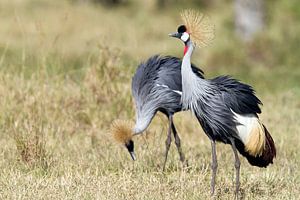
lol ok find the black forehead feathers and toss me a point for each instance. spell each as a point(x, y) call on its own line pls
point(181, 29)
point(130, 146)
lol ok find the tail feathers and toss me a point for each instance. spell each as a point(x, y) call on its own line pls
point(266, 156)
point(257, 139)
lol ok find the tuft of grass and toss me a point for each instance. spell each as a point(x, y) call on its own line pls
point(32, 148)
point(30, 141)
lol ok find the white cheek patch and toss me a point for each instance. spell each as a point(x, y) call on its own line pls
point(185, 36)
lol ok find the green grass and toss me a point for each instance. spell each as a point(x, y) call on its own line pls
point(65, 75)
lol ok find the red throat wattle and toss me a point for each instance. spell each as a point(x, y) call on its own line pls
point(185, 49)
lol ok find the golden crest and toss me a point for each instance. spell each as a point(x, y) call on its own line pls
point(199, 26)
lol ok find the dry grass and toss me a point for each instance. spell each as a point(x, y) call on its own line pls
point(65, 74)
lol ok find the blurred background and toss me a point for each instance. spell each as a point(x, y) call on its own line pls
point(65, 74)
point(260, 35)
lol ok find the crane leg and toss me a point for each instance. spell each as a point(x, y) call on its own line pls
point(237, 165)
point(214, 167)
point(178, 143)
point(168, 142)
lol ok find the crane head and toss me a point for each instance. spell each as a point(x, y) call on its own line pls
point(197, 28)
point(181, 34)
point(122, 133)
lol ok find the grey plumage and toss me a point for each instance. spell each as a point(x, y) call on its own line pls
point(156, 86)
point(214, 109)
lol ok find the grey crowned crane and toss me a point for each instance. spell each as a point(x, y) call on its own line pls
point(226, 108)
point(156, 86)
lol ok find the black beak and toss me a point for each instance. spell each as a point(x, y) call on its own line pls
point(130, 147)
point(176, 35)
point(132, 154)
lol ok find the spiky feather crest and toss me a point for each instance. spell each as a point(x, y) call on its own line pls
point(199, 26)
point(121, 130)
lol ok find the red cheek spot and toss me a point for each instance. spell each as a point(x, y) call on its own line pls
point(185, 49)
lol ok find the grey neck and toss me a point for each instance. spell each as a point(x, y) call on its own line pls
point(186, 61)
point(193, 87)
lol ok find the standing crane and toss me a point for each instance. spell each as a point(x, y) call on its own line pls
point(156, 86)
point(226, 108)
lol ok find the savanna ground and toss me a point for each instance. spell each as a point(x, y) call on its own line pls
point(65, 75)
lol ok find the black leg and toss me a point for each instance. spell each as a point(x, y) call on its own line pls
point(177, 142)
point(237, 165)
point(214, 167)
point(168, 142)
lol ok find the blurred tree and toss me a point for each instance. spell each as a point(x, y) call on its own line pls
point(249, 18)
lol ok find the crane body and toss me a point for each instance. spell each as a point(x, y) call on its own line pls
point(156, 87)
point(226, 108)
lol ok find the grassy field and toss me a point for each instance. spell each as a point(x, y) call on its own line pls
point(65, 75)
